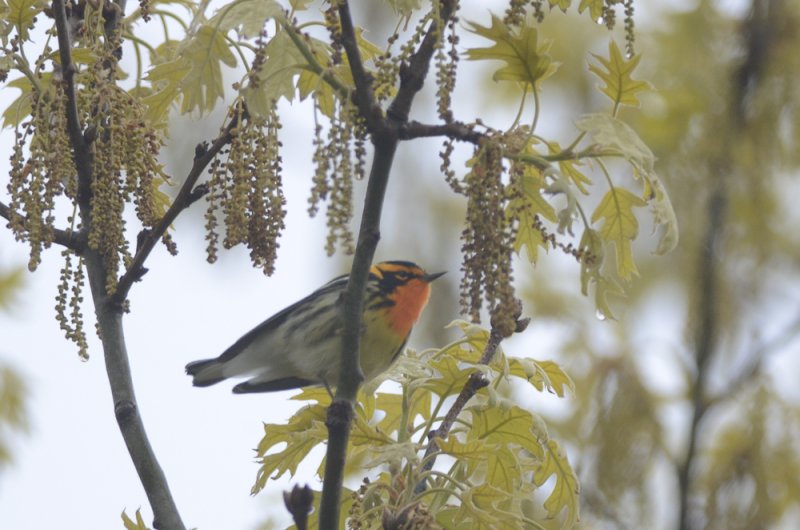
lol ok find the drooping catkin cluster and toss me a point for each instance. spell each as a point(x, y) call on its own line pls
point(517, 11)
point(126, 168)
point(446, 65)
point(339, 157)
point(488, 239)
point(47, 172)
point(68, 302)
point(246, 185)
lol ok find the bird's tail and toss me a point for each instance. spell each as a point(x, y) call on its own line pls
point(206, 372)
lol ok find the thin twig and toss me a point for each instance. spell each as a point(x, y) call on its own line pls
point(455, 130)
point(475, 382)
point(364, 96)
point(412, 74)
point(65, 238)
point(187, 195)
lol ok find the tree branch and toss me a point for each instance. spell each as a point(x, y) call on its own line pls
point(412, 75)
point(455, 130)
point(109, 314)
point(340, 413)
point(65, 238)
point(385, 136)
point(475, 382)
point(187, 196)
point(757, 29)
point(364, 96)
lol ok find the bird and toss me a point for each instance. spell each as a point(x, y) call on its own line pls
point(301, 345)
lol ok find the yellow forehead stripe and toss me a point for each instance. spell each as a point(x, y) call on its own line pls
point(383, 268)
point(376, 271)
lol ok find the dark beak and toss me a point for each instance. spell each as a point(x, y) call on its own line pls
point(430, 277)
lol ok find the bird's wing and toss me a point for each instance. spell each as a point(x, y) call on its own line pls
point(276, 320)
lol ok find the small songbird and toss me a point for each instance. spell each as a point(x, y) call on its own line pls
point(301, 345)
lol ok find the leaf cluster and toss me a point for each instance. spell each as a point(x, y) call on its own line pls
point(497, 458)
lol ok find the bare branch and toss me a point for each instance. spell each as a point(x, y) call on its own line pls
point(412, 75)
point(187, 195)
point(475, 382)
point(65, 238)
point(364, 96)
point(455, 130)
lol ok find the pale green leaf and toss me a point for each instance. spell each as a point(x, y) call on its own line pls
point(300, 5)
point(502, 469)
point(561, 4)
point(203, 85)
point(304, 431)
point(616, 72)
point(664, 220)
point(526, 206)
point(542, 375)
point(595, 8)
point(166, 79)
point(21, 107)
point(275, 79)
point(247, 17)
point(620, 226)
point(130, 524)
point(470, 450)
point(405, 8)
point(10, 283)
point(481, 508)
point(21, 14)
point(450, 379)
point(620, 138)
point(527, 61)
point(503, 426)
point(567, 488)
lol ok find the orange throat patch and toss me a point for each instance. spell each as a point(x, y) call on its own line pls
point(409, 301)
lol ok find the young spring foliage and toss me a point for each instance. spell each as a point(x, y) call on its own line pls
point(498, 455)
point(522, 190)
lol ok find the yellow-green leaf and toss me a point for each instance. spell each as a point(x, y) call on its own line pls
point(542, 375)
point(166, 79)
point(616, 72)
point(513, 425)
point(203, 85)
point(527, 61)
point(130, 524)
point(450, 379)
point(526, 206)
point(595, 8)
point(470, 450)
point(275, 79)
point(665, 222)
point(247, 17)
point(567, 488)
point(618, 137)
point(502, 469)
point(21, 14)
point(10, 282)
point(21, 108)
point(561, 4)
point(305, 429)
point(620, 226)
